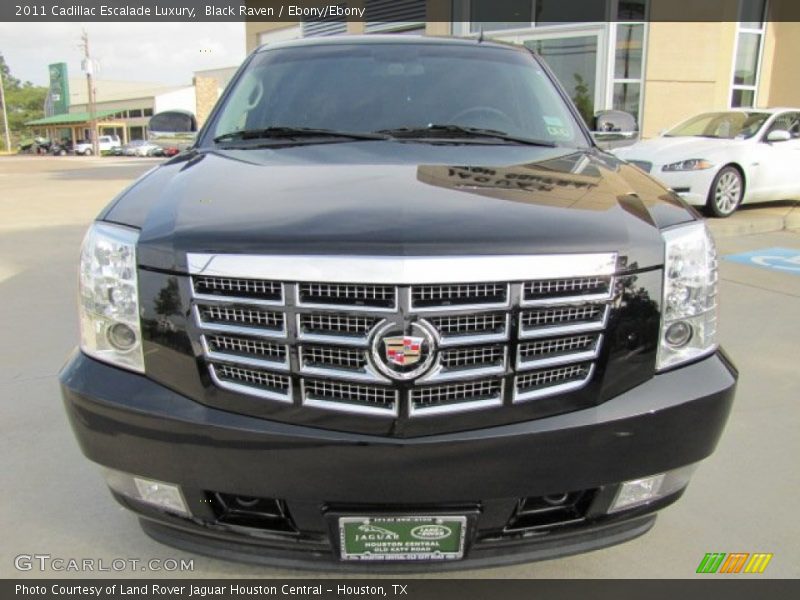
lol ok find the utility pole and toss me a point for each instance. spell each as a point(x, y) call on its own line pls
point(5, 114)
point(88, 67)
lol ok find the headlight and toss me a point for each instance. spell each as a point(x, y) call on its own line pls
point(109, 297)
point(689, 310)
point(692, 164)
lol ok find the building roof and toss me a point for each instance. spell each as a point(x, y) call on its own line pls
point(109, 90)
point(71, 118)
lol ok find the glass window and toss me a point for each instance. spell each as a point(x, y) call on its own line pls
point(726, 125)
point(148, 112)
point(136, 112)
point(741, 98)
point(364, 88)
point(628, 54)
point(789, 121)
point(574, 62)
point(747, 59)
point(626, 97)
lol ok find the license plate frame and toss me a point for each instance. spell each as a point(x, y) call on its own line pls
point(414, 538)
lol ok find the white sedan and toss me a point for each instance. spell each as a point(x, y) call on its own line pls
point(721, 159)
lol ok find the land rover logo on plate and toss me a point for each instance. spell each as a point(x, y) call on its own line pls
point(403, 353)
point(431, 532)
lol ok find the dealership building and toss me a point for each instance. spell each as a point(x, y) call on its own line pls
point(622, 55)
point(122, 108)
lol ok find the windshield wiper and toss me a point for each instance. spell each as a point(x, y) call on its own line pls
point(268, 133)
point(434, 130)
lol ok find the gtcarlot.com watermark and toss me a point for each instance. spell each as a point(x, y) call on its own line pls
point(47, 562)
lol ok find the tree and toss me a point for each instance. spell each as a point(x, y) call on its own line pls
point(24, 101)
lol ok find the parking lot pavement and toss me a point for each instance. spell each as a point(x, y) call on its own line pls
point(741, 500)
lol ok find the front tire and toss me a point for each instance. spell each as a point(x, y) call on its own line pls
point(88, 152)
point(726, 193)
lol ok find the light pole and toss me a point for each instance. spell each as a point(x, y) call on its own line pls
point(88, 67)
point(5, 114)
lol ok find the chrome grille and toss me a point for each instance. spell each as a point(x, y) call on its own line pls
point(551, 351)
point(336, 324)
point(471, 294)
point(313, 343)
point(548, 381)
point(349, 396)
point(375, 296)
point(251, 381)
point(550, 320)
point(333, 357)
point(218, 316)
point(457, 396)
point(238, 347)
point(229, 287)
point(474, 326)
point(577, 288)
point(461, 358)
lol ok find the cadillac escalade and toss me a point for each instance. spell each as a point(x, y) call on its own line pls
point(394, 307)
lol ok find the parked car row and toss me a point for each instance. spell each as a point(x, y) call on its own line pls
point(721, 160)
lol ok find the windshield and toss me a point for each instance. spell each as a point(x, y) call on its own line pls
point(727, 125)
point(361, 88)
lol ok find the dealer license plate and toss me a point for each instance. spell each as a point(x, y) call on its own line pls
point(402, 538)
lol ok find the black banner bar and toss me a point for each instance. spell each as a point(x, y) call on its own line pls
point(523, 12)
point(396, 589)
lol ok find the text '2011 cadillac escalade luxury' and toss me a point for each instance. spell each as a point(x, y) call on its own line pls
point(394, 306)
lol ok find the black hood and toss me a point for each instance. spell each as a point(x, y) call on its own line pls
point(398, 199)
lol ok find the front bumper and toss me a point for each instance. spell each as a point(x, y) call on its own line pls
point(692, 186)
point(129, 423)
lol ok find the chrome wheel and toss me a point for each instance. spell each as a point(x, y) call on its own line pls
point(726, 192)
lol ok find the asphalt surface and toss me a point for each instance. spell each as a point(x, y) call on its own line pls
point(55, 502)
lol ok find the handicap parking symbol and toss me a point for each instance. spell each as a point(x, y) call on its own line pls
point(785, 260)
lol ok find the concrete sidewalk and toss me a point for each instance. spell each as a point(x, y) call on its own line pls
point(758, 218)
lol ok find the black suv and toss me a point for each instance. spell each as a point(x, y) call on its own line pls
point(394, 305)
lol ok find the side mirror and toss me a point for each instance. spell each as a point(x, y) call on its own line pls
point(173, 128)
point(779, 135)
point(614, 128)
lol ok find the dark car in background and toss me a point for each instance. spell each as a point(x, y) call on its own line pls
point(394, 307)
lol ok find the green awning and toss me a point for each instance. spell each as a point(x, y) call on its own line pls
point(72, 118)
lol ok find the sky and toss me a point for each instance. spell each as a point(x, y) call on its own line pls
point(155, 52)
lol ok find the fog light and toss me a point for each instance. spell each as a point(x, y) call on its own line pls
point(161, 494)
point(678, 334)
point(121, 336)
point(638, 492)
point(166, 496)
